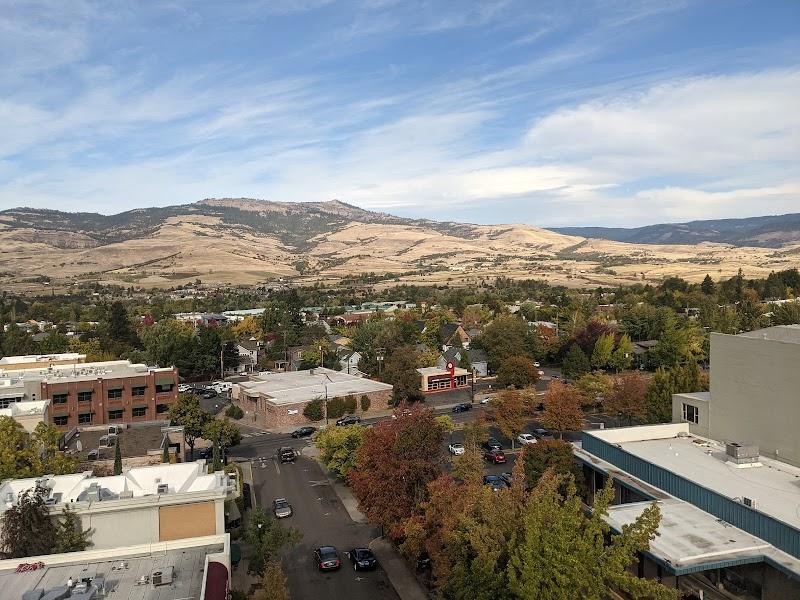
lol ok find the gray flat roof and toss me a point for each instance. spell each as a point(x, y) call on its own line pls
point(699, 396)
point(775, 486)
point(779, 333)
point(294, 387)
point(121, 583)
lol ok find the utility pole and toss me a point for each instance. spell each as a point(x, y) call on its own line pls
point(222, 362)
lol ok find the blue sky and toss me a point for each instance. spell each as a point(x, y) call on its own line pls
point(550, 113)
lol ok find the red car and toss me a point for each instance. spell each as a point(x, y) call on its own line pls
point(495, 456)
point(327, 558)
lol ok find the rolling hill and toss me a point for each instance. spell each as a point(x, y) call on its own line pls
point(767, 232)
point(246, 241)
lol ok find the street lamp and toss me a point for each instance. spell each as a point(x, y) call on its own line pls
point(379, 358)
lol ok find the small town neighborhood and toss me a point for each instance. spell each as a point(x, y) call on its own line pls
point(202, 461)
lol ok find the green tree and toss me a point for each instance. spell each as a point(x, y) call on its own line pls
point(594, 388)
point(575, 363)
point(186, 412)
point(561, 553)
point(787, 314)
point(708, 287)
point(401, 371)
point(24, 454)
point(338, 448)
point(314, 411)
point(70, 535)
point(603, 348)
point(518, 372)
point(216, 460)
point(28, 529)
point(165, 454)
point(555, 455)
point(266, 538)
point(118, 324)
point(622, 357)
point(117, 459)
point(224, 433)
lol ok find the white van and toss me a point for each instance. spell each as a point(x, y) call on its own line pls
point(221, 386)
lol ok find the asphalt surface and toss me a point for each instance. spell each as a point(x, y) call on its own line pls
point(323, 521)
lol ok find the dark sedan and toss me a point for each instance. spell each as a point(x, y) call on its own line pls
point(463, 407)
point(303, 432)
point(327, 558)
point(494, 482)
point(492, 444)
point(348, 420)
point(363, 559)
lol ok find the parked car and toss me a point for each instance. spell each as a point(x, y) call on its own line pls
point(456, 449)
point(495, 482)
point(204, 452)
point(348, 420)
point(304, 431)
point(363, 559)
point(541, 373)
point(327, 558)
point(463, 407)
point(281, 508)
point(496, 457)
point(184, 387)
point(286, 454)
point(526, 438)
point(506, 478)
point(541, 433)
point(536, 364)
point(208, 394)
point(492, 444)
point(221, 387)
point(485, 400)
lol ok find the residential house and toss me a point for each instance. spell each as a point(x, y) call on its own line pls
point(248, 355)
point(453, 334)
point(478, 361)
point(348, 360)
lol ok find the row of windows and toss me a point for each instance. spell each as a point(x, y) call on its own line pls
point(113, 415)
point(136, 392)
point(6, 402)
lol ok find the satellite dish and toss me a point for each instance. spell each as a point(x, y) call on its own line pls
point(78, 446)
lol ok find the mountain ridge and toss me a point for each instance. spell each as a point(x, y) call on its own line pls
point(769, 231)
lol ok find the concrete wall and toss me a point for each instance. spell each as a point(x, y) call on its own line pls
point(113, 529)
point(702, 427)
point(755, 390)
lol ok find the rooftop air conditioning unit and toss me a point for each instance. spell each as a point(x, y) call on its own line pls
point(742, 454)
point(751, 502)
point(111, 441)
point(162, 577)
point(114, 430)
point(163, 488)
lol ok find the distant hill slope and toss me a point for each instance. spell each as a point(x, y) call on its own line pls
point(246, 241)
point(766, 232)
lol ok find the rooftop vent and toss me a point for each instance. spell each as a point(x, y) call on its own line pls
point(163, 488)
point(162, 577)
point(742, 455)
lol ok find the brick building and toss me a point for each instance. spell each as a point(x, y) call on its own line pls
point(278, 399)
point(94, 393)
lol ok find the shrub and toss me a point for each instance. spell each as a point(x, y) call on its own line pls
point(350, 404)
point(313, 410)
point(234, 412)
point(365, 403)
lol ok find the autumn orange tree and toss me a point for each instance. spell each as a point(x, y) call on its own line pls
point(562, 408)
point(628, 397)
point(510, 410)
point(394, 465)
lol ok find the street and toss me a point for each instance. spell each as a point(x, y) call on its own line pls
point(322, 519)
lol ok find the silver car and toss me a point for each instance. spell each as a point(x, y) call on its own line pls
point(281, 508)
point(456, 449)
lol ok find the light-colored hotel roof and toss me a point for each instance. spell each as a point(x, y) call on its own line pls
point(42, 358)
point(780, 333)
point(775, 486)
point(293, 387)
point(111, 369)
point(138, 481)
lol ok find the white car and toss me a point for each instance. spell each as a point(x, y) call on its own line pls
point(456, 449)
point(184, 387)
point(485, 400)
point(536, 364)
point(526, 438)
point(221, 386)
point(541, 373)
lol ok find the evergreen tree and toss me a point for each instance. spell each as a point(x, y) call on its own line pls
point(575, 363)
point(28, 529)
point(165, 453)
point(216, 462)
point(659, 397)
point(117, 459)
point(708, 287)
point(622, 357)
point(70, 536)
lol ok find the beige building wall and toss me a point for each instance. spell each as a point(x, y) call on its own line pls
point(113, 529)
point(755, 390)
point(701, 402)
point(186, 521)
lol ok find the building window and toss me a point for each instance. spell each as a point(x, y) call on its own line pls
point(115, 415)
point(84, 396)
point(139, 390)
point(60, 398)
point(60, 420)
point(163, 387)
point(690, 413)
point(6, 402)
point(139, 411)
point(115, 394)
point(162, 408)
point(85, 419)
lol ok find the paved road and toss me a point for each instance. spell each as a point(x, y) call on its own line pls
point(322, 519)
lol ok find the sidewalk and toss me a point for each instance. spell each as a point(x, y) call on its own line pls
point(403, 579)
